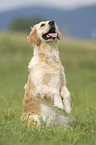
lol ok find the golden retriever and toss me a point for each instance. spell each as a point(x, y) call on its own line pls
point(46, 86)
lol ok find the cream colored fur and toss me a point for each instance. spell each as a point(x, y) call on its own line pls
point(46, 86)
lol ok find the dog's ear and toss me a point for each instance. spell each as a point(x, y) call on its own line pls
point(58, 35)
point(33, 37)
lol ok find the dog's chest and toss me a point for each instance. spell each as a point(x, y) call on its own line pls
point(46, 74)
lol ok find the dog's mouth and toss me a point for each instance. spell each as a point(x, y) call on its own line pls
point(50, 35)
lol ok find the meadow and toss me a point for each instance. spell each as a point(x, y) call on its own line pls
point(79, 60)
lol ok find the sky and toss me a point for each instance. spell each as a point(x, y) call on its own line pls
point(59, 4)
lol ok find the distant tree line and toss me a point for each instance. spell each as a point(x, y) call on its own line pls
point(24, 24)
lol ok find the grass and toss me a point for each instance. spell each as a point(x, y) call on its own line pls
point(79, 60)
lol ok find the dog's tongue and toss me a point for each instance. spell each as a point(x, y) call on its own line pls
point(52, 35)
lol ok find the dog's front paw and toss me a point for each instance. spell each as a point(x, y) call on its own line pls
point(58, 105)
point(66, 99)
point(67, 104)
point(58, 102)
point(67, 109)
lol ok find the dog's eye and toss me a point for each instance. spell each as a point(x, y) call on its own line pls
point(42, 25)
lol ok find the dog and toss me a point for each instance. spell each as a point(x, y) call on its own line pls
point(46, 86)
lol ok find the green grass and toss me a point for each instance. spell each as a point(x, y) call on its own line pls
point(79, 60)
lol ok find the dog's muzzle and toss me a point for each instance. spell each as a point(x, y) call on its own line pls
point(51, 34)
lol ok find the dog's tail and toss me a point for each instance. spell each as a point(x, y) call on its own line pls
point(53, 116)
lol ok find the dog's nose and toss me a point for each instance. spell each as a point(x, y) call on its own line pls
point(51, 23)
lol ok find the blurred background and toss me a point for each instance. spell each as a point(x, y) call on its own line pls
point(76, 20)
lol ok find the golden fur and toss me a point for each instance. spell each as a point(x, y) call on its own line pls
point(46, 85)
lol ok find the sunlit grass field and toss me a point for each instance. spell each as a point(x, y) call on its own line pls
point(79, 60)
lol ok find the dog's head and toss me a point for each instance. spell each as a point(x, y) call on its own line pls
point(44, 31)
